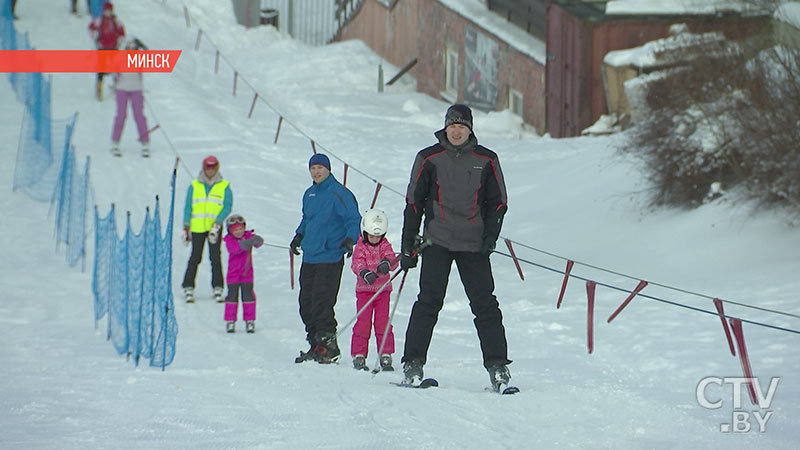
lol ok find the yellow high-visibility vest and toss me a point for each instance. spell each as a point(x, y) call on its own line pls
point(205, 209)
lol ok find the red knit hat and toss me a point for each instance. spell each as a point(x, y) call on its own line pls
point(108, 6)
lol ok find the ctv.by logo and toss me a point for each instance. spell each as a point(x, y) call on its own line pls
point(740, 418)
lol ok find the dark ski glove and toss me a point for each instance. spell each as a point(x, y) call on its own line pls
point(384, 266)
point(296, 243)
point(368, 276)
point(491, 230)
point(348, 244)
point(408, 260)
point(254, 241)
point(488, 244)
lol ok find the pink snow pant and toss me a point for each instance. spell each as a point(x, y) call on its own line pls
point(248, 302)
point(137, 104)
point(359, 344)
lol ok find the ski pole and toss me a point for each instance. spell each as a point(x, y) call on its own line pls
point(377, 368)
point(389, 324)
point(369, 302)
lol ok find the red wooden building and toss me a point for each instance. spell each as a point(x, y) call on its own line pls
point(543, 60)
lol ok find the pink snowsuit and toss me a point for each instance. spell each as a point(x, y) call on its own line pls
point(367, 256)
point(129, 89)
point(240, 278)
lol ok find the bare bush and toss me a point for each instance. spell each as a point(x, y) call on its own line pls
point(729, 118)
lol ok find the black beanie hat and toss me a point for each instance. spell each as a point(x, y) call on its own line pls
point(458, 113)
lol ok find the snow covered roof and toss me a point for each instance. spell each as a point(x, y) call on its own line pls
point(678, 7)
point(656, 53)
point(517, 38)
point(789, 13)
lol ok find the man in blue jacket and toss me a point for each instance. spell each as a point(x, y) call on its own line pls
point(329, 228)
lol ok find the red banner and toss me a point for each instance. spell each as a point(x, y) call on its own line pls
point(107, 61)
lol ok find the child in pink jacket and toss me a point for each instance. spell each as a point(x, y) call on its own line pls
point(373, 259)
point(240, 242)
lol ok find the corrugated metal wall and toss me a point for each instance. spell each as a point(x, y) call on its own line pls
point(310, 21)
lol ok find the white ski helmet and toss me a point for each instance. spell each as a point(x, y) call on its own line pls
point(374, 222)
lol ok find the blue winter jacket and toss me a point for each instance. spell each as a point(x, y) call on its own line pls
point(330, 214)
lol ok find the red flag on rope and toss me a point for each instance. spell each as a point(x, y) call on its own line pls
point(564, 283)
point(346, 166)
point(375, 197)
point(514, 257)
point(718, 305)
point(638, 289)
point(314, 146)
point(590, 288)
point(291, 269)
point(252, 106)
point(280, 121)
point(736, 326)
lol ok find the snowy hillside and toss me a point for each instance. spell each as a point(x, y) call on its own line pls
point(65, 387)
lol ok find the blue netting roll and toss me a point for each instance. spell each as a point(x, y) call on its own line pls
point(105, 239)
point(71, 196)
point(167, 325)
point(118, 305)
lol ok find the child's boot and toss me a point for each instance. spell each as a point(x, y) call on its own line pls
point(188, 293)
point(359, 362)
point(145, 149)
point(386, 363)
point(251, 326)
point(115, 148)
point(230, 326)
point(99, 92)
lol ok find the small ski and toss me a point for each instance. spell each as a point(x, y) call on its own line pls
point(424, 384)
point(508, 390)
point(307, 356)
point(304, 356)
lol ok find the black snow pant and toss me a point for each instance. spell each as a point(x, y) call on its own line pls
point(198, 240)
point(319, 288)
point(476, 276)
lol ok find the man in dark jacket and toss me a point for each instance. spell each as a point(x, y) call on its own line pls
point(458, 186)
point(330, 226)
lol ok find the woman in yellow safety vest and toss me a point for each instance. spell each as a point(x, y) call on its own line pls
point(208, 202)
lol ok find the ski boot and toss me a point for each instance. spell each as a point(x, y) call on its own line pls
point(499, 376)
point(230, 326)
point(250, 326)
point(359, 362)
point(218, 294)
point(386, 363)
point(115, 148)
point(99, 92)
point(412, 372)
point(313, 342)
point(327, 352)
point(145, 149)
point(188, 293)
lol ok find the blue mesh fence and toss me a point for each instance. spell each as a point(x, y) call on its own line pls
point(132, 284)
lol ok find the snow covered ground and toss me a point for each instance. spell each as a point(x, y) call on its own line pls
point(63, 385)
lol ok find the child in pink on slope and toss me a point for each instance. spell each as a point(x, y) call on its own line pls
point(240, 242)
point(373, 259)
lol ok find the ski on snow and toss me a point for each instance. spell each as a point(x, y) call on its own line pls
point(424, 384)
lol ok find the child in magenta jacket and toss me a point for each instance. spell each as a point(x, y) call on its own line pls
point(373, 259)
point(240, 242)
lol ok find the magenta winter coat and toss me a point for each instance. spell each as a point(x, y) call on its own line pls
point(366, 256)
point(240, 262)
